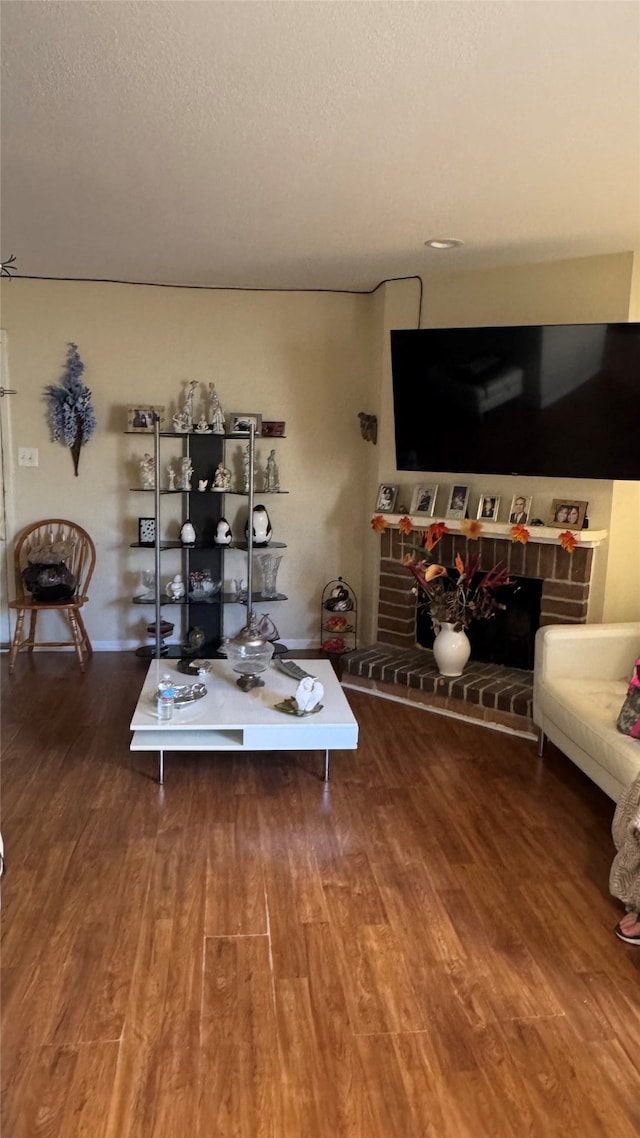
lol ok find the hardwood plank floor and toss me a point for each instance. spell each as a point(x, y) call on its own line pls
point(421, 948)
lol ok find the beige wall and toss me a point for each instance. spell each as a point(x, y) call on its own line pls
point(587, 289)
point(314, 359)
point(303, 357)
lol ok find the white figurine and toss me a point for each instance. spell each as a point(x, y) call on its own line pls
point(148, 471)
point(188, 404)
point(271, 473)
point(186, 470)
point(222, 478)
point(175, 588)
point(202, 427)
point(181, 422)
point(309, 692)
point(202, 484)
point(245, 468)
point(216, 415)
point(171, 475)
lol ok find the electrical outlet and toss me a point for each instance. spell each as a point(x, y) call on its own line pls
point(27, 456)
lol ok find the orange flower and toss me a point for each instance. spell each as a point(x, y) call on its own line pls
point(404, 525)
point(568, 541)
point(378, 524)
point(520, 533)
point(434, 571)
point(459, 564)
point(471, 528)
point(433, 535)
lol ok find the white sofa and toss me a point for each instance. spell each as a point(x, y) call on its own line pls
point(581, 675)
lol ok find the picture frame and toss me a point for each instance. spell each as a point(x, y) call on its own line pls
point(567, 513)
point(386, 499)
point(458, 501)
point(488, 507)
point(146, 531)
point(519, 510)
point(238, 423)
point(140, 419)
point(424, 500)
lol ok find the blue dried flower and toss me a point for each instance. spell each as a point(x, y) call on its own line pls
point(71, 415)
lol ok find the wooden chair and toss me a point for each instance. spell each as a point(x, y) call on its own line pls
point(81, 562)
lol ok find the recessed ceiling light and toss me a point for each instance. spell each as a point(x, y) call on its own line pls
point(443, 243)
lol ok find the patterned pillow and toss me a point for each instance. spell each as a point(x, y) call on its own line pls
point(629, 717)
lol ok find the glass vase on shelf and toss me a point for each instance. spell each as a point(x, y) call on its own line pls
point(269, 564)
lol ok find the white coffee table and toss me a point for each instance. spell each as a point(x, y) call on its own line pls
point(228, 719)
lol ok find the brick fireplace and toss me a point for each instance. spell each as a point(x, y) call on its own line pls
point(397, 666)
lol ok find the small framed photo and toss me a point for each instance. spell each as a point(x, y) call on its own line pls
point(520, 510)
point(143, 418)
point(458, 499)
point(239, 423)
point(424, 500)
point(488, 507)
point(146, 531)
point(386, 500)
point(567, 513)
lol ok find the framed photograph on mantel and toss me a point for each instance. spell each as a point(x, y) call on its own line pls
point(386, 500)
point(424, 500)
point(520, 510)
point(458, 499)
point(488, 507)
point(567, 513)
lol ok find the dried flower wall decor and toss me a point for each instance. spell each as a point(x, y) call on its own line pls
point(71, 416)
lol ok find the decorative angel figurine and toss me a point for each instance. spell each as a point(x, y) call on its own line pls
point(309, 692)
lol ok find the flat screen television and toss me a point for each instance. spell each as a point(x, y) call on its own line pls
point(555, 401)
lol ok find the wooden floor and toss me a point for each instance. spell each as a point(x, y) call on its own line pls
point(422, 948)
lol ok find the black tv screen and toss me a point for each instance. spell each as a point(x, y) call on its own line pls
point(556, 401)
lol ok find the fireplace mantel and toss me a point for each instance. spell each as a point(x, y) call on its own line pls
point(566, 577)
point(542, 535)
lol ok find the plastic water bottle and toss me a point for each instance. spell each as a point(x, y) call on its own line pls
point(166, 696)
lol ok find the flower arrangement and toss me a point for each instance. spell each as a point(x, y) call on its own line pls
point(454, 597)
point(71, 416)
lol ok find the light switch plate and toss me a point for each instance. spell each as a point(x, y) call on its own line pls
point(27, 456)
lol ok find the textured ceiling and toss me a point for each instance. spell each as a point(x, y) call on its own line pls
point(315, 144)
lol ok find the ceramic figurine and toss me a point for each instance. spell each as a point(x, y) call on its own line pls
point(176, 588)
point(188, 403)
point(223, 532)
point(222, 478)
point(216, 415)
point(181, 422)
point(148, 471)
point(171, 475)
point(202, 484)
point(271, 473)
point(186, 470)
point(202, 427)
point(187, 533)
point(309, 692)
point(261, 526)
point(245, 468)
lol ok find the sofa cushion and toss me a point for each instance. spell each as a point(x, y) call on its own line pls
point(586, 711)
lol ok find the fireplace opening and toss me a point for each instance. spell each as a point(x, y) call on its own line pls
point(508, 638)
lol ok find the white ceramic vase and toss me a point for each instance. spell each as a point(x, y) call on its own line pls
point(451, 650)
